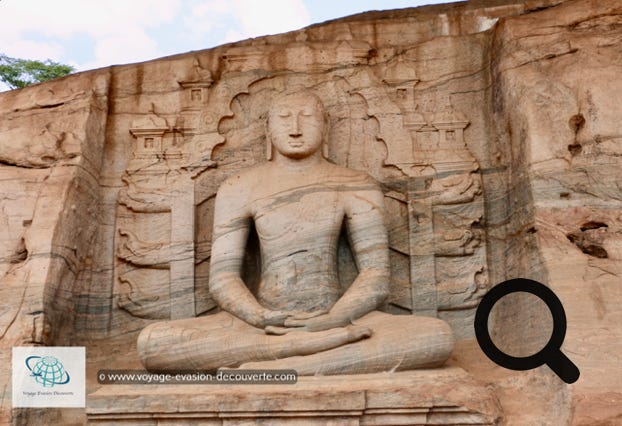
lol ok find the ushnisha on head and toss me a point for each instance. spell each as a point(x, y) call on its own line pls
point(297, 125)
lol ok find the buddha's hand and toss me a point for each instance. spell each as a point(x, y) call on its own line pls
point(283, 328)
point(320, 322)
point(278, 318)
point(272, 318)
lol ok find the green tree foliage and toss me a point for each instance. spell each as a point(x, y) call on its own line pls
point(18, 73)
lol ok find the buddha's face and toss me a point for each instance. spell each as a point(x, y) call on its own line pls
point(296, 125)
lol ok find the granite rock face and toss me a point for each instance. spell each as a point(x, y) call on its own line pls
point(493, 129)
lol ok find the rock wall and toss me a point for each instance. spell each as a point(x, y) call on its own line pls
point(51, 145)
point(493, 128)
point(559, 87)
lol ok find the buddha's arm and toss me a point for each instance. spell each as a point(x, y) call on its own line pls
point(231, 227)
point(370, 246)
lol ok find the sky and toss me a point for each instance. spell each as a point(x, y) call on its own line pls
point(90, 34)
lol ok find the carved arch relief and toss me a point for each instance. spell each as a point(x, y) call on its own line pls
point(158, 248)
point(443, 213)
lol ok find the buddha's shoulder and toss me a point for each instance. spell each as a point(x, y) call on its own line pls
point(245, 178)
point(347, 175)
point(238, 184)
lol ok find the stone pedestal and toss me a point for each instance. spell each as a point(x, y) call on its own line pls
point(425, 397)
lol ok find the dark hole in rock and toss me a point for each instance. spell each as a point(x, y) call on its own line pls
point(587, 246)
point(594, 250)
point(576, 122)
point(575, 148)
point(53, 105)
point(592, 224)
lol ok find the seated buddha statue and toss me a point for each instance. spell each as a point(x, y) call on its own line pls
point(299, 317)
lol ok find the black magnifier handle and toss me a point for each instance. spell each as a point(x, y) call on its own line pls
point(562, 366)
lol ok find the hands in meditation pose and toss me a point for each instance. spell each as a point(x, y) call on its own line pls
point(299, 316)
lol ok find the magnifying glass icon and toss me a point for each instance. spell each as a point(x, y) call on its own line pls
point(551, 354)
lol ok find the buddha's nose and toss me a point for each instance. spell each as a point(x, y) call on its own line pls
point(295, 131)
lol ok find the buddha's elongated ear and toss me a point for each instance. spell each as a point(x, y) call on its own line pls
point(326, 119)
point(268, 139)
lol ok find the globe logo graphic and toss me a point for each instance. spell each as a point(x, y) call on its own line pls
point(47, 370)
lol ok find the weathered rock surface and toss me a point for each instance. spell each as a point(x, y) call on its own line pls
point(493, 128)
